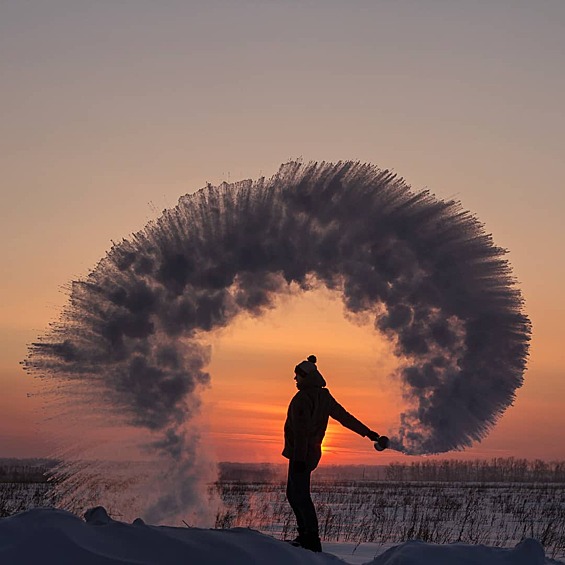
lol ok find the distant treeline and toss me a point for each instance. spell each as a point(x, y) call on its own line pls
point(480, 470)
point(276, 472)
point(25, 470)
point(501, 469)
point(250, 472)
point(498, 469)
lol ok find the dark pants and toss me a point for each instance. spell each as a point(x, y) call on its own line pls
point(298, 495)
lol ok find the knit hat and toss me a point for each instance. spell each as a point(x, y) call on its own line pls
point(304, 368)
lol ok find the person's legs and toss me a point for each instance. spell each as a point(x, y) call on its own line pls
point(294, 502)
point(298, 494)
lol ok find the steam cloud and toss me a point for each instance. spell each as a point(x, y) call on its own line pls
point(438, 286)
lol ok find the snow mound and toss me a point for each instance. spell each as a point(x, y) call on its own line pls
point(55, 537)
point(528, 552)
point(46, 536)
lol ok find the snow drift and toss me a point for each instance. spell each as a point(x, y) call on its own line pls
point(57, 537)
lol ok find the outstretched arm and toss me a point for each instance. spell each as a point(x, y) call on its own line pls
point(339, 413)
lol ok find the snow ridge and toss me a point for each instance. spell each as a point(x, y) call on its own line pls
point(47, 536)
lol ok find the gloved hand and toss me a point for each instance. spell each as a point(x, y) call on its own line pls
point(373, 436)
point(382, 443)
point(298, 466)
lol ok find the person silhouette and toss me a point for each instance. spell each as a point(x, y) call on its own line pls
point(304, 430)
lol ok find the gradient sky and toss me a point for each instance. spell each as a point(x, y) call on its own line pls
point(111, 111)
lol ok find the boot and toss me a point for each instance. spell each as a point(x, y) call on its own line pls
point(297, 541)
point(311, 541)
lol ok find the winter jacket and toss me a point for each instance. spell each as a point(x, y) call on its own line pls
point(307, 420)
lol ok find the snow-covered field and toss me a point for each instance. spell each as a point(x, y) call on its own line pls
point(495, 514)
point(361, 521)
point(57, 537)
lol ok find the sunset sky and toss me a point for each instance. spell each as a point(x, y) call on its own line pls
point(113, 110)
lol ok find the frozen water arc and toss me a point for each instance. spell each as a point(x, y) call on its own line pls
point(439, 288)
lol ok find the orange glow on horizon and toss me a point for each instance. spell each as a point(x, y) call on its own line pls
point(252, 383)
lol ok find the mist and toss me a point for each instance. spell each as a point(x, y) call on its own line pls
point(132, 338)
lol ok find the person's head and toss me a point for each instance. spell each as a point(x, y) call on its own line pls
point(306, 373)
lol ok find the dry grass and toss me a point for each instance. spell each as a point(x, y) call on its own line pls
point(495, 514)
